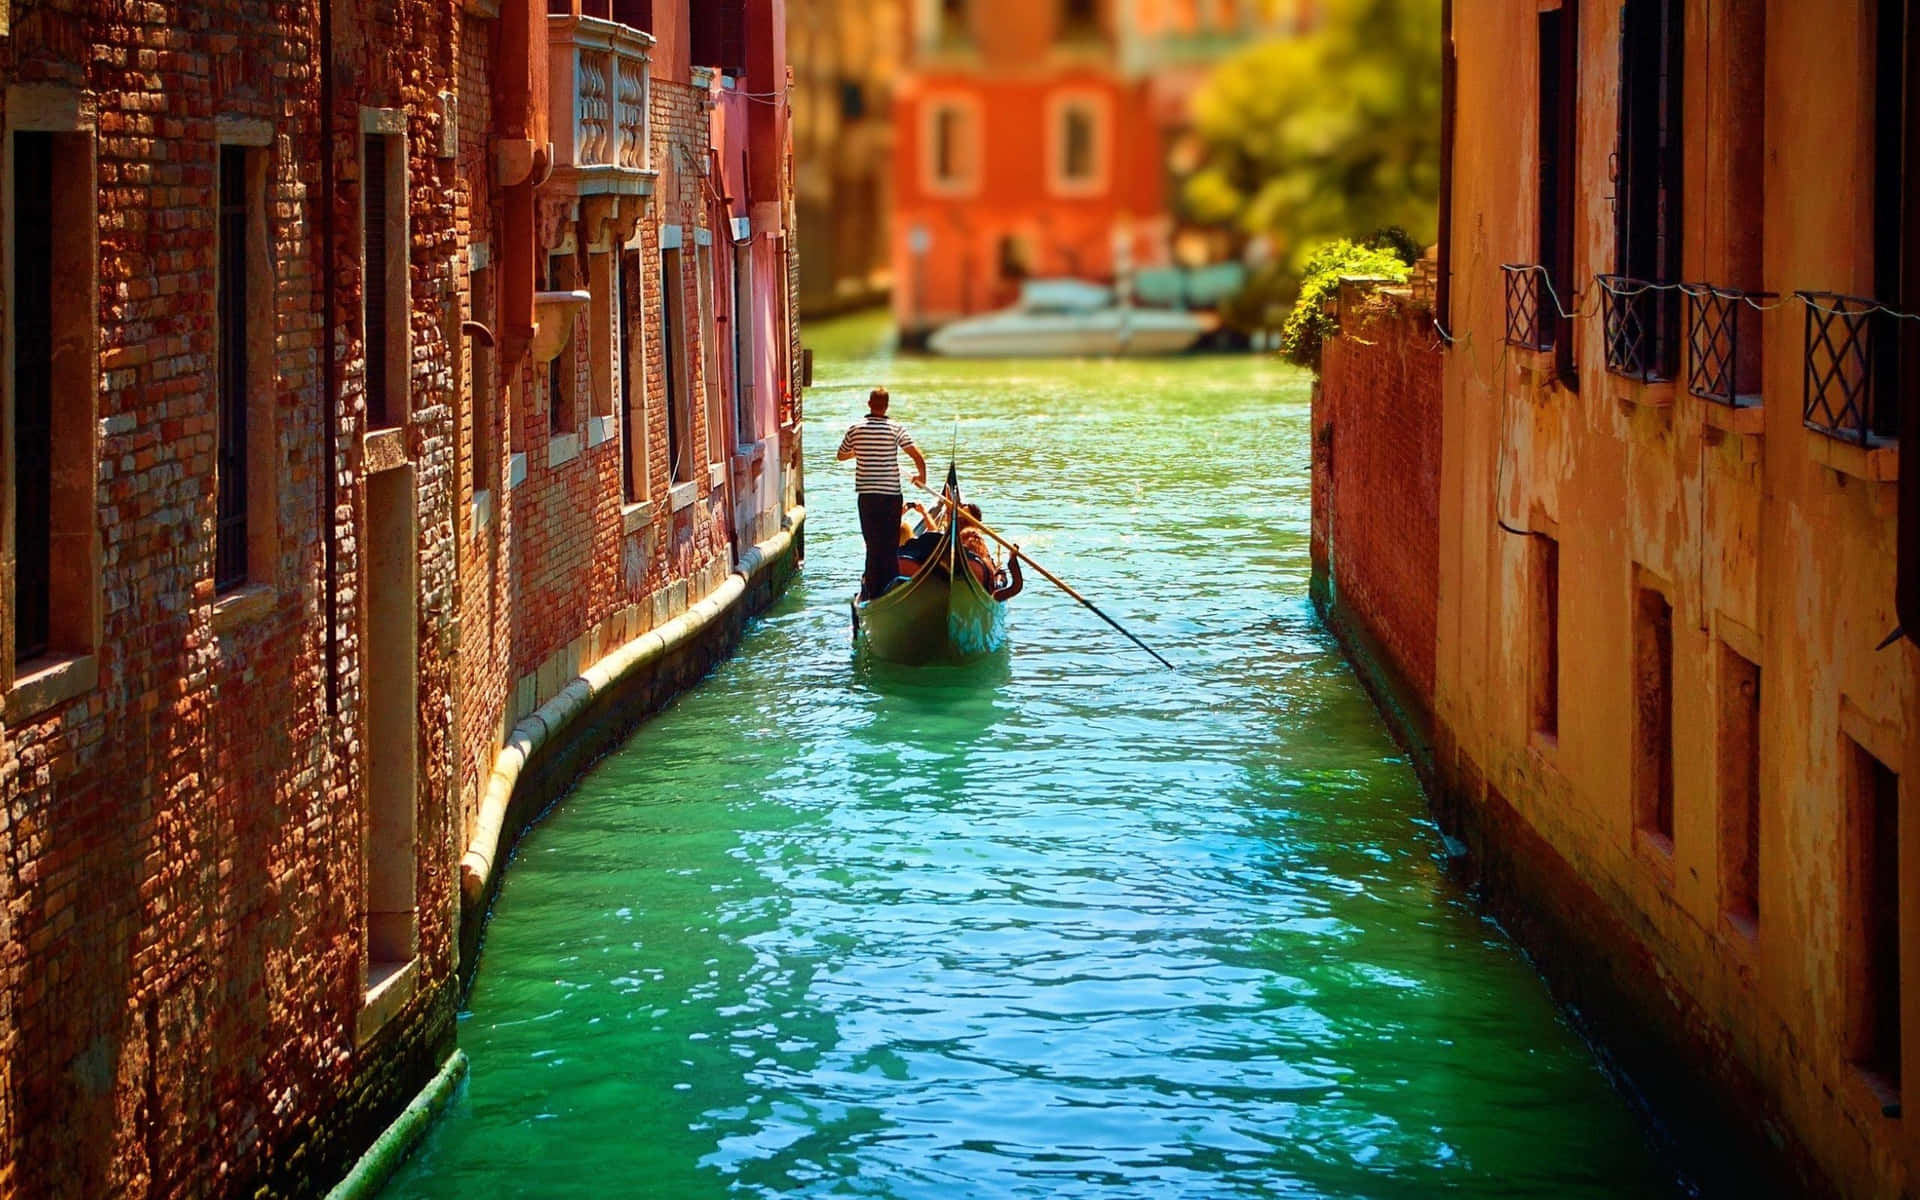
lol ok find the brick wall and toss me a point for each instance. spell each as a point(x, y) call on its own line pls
point(1377, 476)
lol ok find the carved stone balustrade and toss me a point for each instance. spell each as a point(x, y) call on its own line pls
point(599, 80)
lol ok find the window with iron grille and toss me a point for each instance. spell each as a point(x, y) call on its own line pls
point(1643, 333)
point(1527, 297)
point(377, 249)
point(1724, 343)
point(230, 302)
point(1896, 223)
point(956, 21)
point(31, 304)
point(1558, 129)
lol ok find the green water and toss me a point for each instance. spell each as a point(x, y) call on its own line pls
point(1062, 924)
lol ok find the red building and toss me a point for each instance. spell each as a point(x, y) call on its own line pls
point(1043, 138)
point(398, 402)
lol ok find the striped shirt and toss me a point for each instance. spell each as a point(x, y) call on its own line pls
point(877, 441)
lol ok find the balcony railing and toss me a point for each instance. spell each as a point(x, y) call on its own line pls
point(1639, 319)
point(1851, 389)
point(1529, 317)
point(599, 80)
point(1723, 343)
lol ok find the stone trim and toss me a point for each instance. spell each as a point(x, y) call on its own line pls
point(230, 129)
point(238, 609)
point(50, 683)
point(538, 735)
point(374, 1168)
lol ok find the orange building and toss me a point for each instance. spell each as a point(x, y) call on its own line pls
point(1034, 139)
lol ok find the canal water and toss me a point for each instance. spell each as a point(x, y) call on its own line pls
point(1061, 924)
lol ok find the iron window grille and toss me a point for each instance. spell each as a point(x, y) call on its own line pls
point(1850, 387)
point(1723, 343)
point(1529, 324)
point(1638, 318)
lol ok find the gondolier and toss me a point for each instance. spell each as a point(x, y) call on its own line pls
point(876, 442)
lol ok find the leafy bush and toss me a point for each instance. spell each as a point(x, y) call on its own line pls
point(1309, 324)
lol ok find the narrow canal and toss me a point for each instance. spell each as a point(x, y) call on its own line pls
point(1059, 925)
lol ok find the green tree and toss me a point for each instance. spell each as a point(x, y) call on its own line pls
point(1333, 134)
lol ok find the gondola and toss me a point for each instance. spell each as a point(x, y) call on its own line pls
point(940, 612)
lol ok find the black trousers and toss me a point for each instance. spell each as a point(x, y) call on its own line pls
point(880, 525)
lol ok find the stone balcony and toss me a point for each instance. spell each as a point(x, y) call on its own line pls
point(599, 80)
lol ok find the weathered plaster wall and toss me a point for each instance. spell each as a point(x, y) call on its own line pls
point(1772, 542)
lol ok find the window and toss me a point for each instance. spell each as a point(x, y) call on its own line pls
point(743, 368)
point(1078, 155)
point(956, 22)
point(383, 262)
point(717, 31)
point(390, 673)
point(1558, 131)
point(480, 385)
point(951, 157)
point(1896, 231)
point(710, 351)
point(1653, 717)
point(1647, 192)
point(1079, 19)
point(636, 14)
point(1545, 622)
point(680, 452)
point(49, 308)
point(563, 371)
point(245, 539)
point(632, 382)
point(1739, 789)
point(1874, 917)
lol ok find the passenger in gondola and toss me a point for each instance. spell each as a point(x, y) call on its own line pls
point(1003, 584)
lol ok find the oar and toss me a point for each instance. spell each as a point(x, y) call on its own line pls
point(1055, 580)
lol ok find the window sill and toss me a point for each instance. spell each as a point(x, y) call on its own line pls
point(483, 509)
point(562, 448)
point(716, 475)
point(384, 450)
point(1656, 393)
point(1748, 419)
point(599, 430)
point(389, 987)
point(44, 683)
point(681, 495)
point(635, 517)
point(1875, 464)
point(242, 607)
point(516, 470)
point(1656, 850)
point(1871, 1091)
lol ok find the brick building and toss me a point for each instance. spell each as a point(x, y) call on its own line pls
point(1671, 711)
point(382, 382)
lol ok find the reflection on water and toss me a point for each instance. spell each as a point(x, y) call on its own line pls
point(1059, 923)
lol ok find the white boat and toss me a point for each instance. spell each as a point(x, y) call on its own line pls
point(1070, 318)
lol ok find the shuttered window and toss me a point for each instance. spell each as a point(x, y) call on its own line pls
point(679, 466)
point(627, 301)
point(31, 301)
point(230, 463)
point(375, 224)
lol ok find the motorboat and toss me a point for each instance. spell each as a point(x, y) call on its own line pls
point(1070, 318)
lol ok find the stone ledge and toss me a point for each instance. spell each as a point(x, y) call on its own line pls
point(635, 517)
point(238, 609)
point(681, 495)
point(383, 450)
point(1874, 464)
point(386, 996)
point(1746, 419)
point(46, 684)
point(562, 448)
